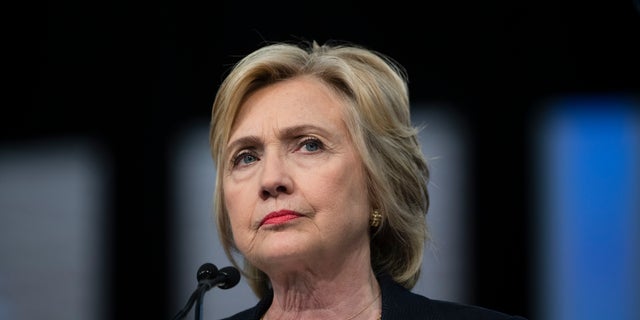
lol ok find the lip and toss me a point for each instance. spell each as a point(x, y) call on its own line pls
point(278, 217)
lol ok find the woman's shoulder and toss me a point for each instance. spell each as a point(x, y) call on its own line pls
point(454, 310)
point(400, 303)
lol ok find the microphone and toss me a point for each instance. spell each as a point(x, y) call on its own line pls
point(206, 271)
point(209, 276)
point(227, 278)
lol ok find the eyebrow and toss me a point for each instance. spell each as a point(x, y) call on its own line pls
point(299, 130)
point(243, 141)
point(287, 133)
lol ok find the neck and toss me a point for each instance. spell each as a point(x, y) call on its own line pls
point(348, 296)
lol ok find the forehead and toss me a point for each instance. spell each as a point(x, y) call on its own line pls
point(294, 102)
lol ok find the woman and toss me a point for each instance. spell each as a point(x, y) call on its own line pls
point(321, 185)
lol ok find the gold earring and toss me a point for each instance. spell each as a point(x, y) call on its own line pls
point(375, 218)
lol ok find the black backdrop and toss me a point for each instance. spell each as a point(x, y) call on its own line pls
point(130, 74)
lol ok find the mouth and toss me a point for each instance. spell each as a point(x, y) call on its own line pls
point(279, 217)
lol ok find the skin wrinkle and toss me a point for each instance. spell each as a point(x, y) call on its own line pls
point(293, 302)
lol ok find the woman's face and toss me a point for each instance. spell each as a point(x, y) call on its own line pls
point(294, 185)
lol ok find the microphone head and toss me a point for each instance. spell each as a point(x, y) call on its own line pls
point(207, 271)
point(231, 277)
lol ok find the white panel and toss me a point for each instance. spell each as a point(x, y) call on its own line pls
point(443, 143)
point(51, 249)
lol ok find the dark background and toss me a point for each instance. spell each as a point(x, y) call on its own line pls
point(131, 74)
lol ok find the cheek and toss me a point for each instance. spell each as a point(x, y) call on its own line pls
point(238, 221)
point(237, 206)
point(346, 192)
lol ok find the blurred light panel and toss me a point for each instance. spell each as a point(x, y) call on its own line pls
point(589, 149)
point(443, 273)
point(443, 141)
point(52, 253)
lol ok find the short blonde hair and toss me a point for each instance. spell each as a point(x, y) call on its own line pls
point(378, 118)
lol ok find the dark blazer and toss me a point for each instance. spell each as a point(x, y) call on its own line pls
point(398, 303)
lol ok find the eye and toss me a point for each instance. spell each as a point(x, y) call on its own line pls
point(244, 158)
point(311, 145)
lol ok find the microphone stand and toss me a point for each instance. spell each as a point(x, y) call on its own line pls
point(196, 295)
point(203, 288)
point(208, 277)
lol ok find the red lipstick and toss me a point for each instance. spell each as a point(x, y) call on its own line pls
point(278, 217)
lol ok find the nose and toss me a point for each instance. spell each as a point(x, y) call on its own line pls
point(275, 179)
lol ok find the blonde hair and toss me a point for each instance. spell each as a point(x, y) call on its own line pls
point(378, 118)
